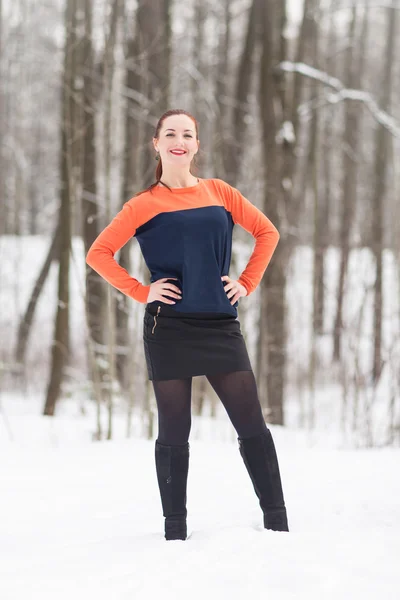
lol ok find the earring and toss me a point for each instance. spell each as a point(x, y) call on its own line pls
point(157, 156)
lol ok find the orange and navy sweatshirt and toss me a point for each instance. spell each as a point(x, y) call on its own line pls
point(186, 234)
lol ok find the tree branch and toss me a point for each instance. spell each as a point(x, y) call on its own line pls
point(340, 92)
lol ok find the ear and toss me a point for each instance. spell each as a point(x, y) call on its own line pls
point(154, 144)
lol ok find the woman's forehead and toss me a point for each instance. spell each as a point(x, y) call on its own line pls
point(178, 122)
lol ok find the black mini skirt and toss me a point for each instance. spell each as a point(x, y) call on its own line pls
point(180, 345)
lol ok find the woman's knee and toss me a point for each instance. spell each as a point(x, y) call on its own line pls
point(174, 431)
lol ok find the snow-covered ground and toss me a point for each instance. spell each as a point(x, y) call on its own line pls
point(82, 520)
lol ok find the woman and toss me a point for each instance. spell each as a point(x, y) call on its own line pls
point(184, 228)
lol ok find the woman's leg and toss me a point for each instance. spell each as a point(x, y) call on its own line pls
point(173, 399)
point(238, 393)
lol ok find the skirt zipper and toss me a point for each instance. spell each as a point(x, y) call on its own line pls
point(155, 318)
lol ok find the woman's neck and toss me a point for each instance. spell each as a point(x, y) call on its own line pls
point(178, 180)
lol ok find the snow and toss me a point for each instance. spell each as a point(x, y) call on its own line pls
point(83, 519)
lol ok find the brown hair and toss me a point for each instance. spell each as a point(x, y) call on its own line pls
point(169, 113)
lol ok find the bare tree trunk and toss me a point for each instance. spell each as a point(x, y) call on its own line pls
point(327, 142)
point(108, 80)
point(199, 80)
point(7, 118)
point(290, 142)
point(34, 188)
point(394, 405)
point(313, 170)
point(288, 203)
point(3, 211)
point(378, 203)
point(95, 286)
point(131, 180)
point(27, 319)
point(154, 32)
point(350, 160)
point(61, 335)
point(221, 126)
point(273, 323)
point(312, 176)
point(90, 216)
point(241, 106)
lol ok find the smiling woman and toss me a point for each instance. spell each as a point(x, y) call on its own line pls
point(176, 137)
point(184, 226)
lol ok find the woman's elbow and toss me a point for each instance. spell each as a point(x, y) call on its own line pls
point(90, 257)
point(97, 254)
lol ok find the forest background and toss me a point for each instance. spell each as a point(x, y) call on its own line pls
point(298, 108)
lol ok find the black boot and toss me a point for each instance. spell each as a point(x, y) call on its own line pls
point(259, 456)
point(172, 465)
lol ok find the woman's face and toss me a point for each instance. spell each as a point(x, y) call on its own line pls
point(177, 143)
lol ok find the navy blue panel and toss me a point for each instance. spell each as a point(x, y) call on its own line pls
point(194, 245)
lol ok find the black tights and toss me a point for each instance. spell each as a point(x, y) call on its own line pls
point(237, 392)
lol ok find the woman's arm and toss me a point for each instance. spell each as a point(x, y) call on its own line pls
point(253, 220)
point(101, 254)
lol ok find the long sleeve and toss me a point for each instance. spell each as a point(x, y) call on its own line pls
point(253, 220)
point(101, 254)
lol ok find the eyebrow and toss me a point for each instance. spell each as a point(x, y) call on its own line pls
point(191, 130)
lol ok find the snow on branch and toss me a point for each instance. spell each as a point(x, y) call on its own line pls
point(367, 4)
point(340, 92)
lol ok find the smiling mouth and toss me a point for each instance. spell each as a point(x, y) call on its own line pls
point(178, 152)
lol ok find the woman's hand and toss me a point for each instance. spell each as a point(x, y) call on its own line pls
point(159, 287)
point(235, 289)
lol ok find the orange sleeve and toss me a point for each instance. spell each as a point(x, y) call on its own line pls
point(101, 254)
point(253, 220)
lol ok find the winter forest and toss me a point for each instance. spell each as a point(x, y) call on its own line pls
point(298, 108)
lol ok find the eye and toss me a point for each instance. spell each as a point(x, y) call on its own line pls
point(169, 134)
point(188, 135)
